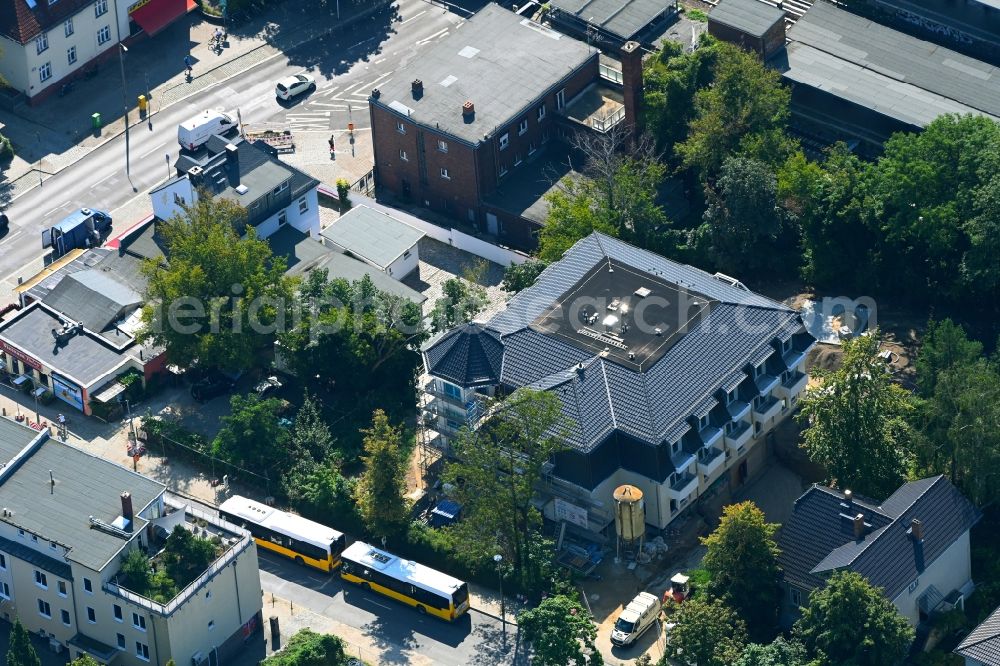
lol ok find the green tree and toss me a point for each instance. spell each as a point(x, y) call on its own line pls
point(944, 347)
point(311, 437)
point(381, 489)
point(220, 297)
point(495, 470)
point(251, 436)
point(857, 422)
point(747, 231)
point(319, 490)
point(87, 660)
point(186, 556)
point(517, 277)
point(780, 652)
point(744, 111)
point(461, 302)
point(574, 213)
point(560, 632)
point(136, 570)
point(20, 652)
point(742, 560)
point(308, 648)
point(847, 621)
point(706, 633)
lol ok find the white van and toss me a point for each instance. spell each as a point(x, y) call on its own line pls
point(640, 614)
point(195, 131)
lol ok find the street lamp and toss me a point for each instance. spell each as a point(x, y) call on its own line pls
point(122, 50)
point(498, 558)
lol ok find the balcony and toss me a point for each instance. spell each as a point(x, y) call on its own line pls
point(738, 409)
point(739, 436)
point(794, 385)
point(767, 410)
point(597, 107)
point(766, 383)
point(710, 461)
point(683, 486)
point(710, 436)
point(230, 541)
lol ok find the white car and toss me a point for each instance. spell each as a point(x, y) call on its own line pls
point(293, 86)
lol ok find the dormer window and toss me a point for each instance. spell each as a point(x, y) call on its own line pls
point(786, 346)
point(758, 370)
point(675, 447)
point(730, 397)
point(703, 422)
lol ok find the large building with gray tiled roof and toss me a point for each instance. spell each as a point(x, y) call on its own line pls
point(669, 378)
point(914, 546)
point(982, 646)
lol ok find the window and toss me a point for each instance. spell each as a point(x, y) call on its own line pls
point(758, 370)
point(280, 188)
point(796, 596)
point(703, 422)
point(545, 136)
point(118, 613)
point(675, 447)
point(3, 561)
point(401, 128)
point(503, 170)
point(4, 591)
point(406, 254)
point(34, 538)
point(41, 580)
point(91, 615)
point(142, 651)
point(444, 174)
point(303, 206)
point(139, 621)
point(42, 42)
point(541, 112)
point(104, 35)
point(71, 55)
point(442, 146)
point(282, 218)
point(452, 391)
point(44, 609)
point(100, 8)
point(20, 533)
point(402, 156)
point(504, 140)
point(52, 545)
point(211, 625)
point(730, 396)
point(517, 159)
point(65, 617)
point(532, 148)
point(45, 72)
point(561, 100)
point(61, 587)
point(522, 127)
point(88, 586)
point(121, 641)
point(68, 27)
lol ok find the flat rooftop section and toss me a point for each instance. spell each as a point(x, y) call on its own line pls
point(84, 358)
point(497, 60)
point(372, 235)
point(632, 316)
point(523, 191)
point(85, 486)
point(752, 17)
point(598, 107)
point(886, 70)
point(621, 18)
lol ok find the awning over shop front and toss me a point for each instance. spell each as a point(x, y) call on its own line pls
point(39, 392)
point(110, 392)
point(156, 15)
point(21, 379)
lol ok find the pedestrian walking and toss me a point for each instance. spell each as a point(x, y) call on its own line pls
point(188, 65)
point(333, 148)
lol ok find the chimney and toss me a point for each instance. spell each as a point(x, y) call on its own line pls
point(917, 530)
point(859, 526)
point(127, 513)
point(417, 87)
point(580, 370)
point(468, 111)
point(194, 175)
point(848, 497)
point(376, 93)
point(631, 55)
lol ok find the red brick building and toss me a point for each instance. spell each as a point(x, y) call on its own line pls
point(477, 107)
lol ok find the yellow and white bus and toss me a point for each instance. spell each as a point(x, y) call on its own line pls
point(427, 590)
point(293, 536)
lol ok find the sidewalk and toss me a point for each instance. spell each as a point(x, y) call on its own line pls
point(57, 133)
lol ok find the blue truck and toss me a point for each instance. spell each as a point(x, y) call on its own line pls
point(86, 227)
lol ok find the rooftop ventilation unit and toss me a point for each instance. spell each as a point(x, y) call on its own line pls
point(643, 292)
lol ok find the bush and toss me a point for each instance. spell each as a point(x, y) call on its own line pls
point(6, 149)
point(344, 194)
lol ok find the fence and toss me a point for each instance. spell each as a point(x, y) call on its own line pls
point(610, 73)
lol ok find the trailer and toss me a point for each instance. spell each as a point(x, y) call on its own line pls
point(85, 228)
point(278, 138)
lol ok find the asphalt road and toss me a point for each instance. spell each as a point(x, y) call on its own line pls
point(346, 66)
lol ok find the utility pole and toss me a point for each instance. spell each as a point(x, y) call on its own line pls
point(122, 50)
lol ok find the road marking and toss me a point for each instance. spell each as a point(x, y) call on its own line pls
point(61, 206)
point(151, 151)
point(368, 86)
point(380, 60)
point(426, 40)
point(330, 92)
point(415, 16)
point(329, 105)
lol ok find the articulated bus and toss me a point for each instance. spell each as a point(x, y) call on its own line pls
point(427, 590)
point(293, 536)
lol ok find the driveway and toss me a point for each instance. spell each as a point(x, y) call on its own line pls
point(774, 492)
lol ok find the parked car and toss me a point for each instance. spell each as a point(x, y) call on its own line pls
point(267, 386)
point(293, 86)
point(4, 224)
point(640, 614)
point(211, 386)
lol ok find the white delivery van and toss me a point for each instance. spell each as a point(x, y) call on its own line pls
point(640, 614)
point(195, 131)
